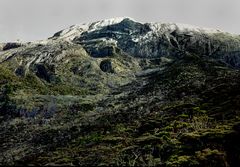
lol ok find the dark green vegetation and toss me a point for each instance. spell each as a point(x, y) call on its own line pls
point(175, 110)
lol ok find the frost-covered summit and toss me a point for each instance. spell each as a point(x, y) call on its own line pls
point(107, 22)
point(148, 39)
point(125, 35)
point(76, 30)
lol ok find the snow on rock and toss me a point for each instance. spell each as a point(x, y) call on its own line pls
point(71, 32)
point(76, 30)
point(103, 23)
point(168, 27)
point(187, 27)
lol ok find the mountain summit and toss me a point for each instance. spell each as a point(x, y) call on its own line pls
point(137, 38)
point(121, 92)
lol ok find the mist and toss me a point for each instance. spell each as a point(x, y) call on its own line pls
point(29, 20)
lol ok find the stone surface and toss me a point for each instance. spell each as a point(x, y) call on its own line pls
point(106, 66)
point(11, 45)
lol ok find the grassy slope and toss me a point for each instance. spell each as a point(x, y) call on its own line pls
point(185, 115)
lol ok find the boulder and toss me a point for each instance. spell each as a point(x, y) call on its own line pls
point(106, 66)
point(11, 45)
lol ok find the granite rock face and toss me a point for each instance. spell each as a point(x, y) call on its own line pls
point(148, 40)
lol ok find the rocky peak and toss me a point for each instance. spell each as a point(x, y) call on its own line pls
point(145, 40)
point(150, 40)
point(108, 22)
point(76, 30)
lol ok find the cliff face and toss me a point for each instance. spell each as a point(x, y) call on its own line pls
point(121, 92)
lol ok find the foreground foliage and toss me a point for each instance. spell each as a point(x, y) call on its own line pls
point(186, 114)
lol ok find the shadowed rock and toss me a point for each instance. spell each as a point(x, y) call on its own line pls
point(106, 66)
point(11, 45)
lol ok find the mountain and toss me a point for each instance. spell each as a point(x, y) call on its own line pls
point(121, 92)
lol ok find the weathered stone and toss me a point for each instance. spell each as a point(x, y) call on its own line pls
point(101, 51)
point(20, 71)
point(106, 66)
point(11, 45)
point(43, 72)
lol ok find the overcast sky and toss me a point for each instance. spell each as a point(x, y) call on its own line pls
point(38, 19)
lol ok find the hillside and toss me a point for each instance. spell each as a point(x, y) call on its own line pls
point(120, 92)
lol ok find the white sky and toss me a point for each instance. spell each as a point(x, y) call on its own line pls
point(39, 19)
